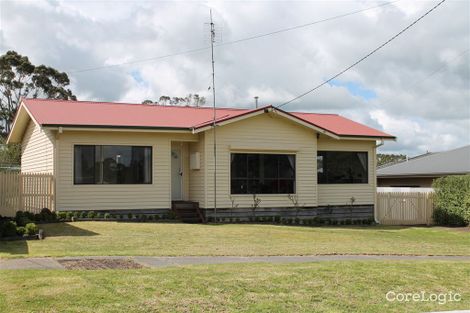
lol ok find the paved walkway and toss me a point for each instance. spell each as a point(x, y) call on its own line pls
point(151, 261)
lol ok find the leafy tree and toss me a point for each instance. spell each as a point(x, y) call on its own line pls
point(383, 159)
point(191, 100)
point(19, 78)
point(9, 154)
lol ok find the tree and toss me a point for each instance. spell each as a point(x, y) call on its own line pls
point(190, 100)
point(19, 78)
point(383, 159)
point(9, 154)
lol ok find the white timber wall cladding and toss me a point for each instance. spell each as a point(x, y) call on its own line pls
point(405, 208)
point(37, 155)
point(341, 194)
point(116, 197)
point(197, 177)
point(25, 192)
point(265, 133)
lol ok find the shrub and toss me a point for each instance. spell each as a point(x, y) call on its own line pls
point(297, 221)
point(91, 214)
point(23, 218)
point(150, 217)
point(452, 200)
point(348, 222)
point(20, 231)
point(129, 216)
point(68, 215)
point(107, 216)
point(99, 215)
point(143, 218)
point(47, 216)
point(7, 229)
point(157, 217)
point(83, 214)
point(62, 215)
point(31, 229)
point(277, 219)
point(237, 220)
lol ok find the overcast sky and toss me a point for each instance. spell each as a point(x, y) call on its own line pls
point(417, 88)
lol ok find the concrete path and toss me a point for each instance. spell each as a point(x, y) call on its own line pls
point(151, 261)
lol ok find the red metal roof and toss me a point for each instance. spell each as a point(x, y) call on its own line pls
point(108, 114)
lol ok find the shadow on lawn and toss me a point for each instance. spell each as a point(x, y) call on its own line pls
point(65, 229)
point(14, 247)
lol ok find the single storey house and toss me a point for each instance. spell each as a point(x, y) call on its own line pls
point(150, 158)
point(422, 170)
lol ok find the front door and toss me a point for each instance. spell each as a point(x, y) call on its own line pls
point(176, 174)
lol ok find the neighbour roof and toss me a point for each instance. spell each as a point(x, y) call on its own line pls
point(48, 112)
point(455, 161)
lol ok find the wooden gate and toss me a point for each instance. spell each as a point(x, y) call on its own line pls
point(405, 208)
point(25, 192)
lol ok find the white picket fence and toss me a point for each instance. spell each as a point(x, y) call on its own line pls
point(405, 208)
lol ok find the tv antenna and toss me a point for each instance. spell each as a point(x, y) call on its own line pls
point(214, 116)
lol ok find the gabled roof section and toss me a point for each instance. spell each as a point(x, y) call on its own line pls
point(87, 114)
point(450, 162)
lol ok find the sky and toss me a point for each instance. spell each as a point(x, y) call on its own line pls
point(416, 88)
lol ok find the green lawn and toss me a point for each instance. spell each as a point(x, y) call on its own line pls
point(114, 238)
point(306, 287)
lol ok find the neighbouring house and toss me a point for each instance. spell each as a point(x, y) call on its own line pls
point(421, 171)
point(150, 158)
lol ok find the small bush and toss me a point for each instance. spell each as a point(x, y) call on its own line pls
point(7, 229)
point(156, 217)
point(143, 218)
point(76, 214)
point(237, 220)
point(99, 215)
point(130, 216)
point(83, 214)
point(47, 216)
point(62, 215)
point(277, 219)
point(20, 231)
point(107, 216)
point(150, 217)
point(20, 219)
point(68, 215)
point(31, 229)
point(348, 222)
point(297, 221)
point(91, 214)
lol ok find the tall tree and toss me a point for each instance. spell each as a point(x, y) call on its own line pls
point(19, 78)
point(191, 100)
point(383, 159)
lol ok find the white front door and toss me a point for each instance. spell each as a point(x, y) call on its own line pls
point(176, 174)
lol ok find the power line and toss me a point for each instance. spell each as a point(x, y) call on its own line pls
point(190, 51)
point(440, 69)
point(364, 57)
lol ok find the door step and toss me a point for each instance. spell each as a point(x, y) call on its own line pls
point(188, 211)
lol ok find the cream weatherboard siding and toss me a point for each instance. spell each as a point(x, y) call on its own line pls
point(37, 150)
point(341, 194)
point(114, 197)
point(265, 133)
point(197, 180)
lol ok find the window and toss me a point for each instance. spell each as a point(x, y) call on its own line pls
point(112, 165)
point(341, 167)
point(262, 173)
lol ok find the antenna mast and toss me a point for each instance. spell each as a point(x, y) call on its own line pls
point(214, 114)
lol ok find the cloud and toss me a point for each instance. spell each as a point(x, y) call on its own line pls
point(416, 88)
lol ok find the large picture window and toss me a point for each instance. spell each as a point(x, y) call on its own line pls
point(262, 173)
point(342, 167)
point(112, 164)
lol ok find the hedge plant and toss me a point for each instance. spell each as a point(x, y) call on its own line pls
point(452, 200)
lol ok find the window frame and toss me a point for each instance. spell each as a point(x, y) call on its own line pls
point(101, 165)
point(278, 178)
point(367, 180)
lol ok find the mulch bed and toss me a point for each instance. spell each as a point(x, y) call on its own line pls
point(99, 264)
